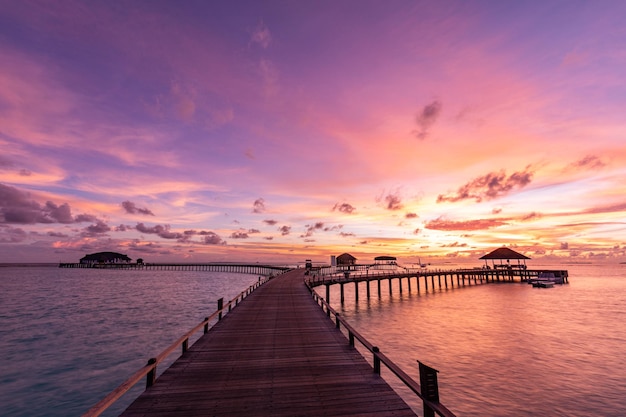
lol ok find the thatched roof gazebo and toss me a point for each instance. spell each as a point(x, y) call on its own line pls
point(507, 254)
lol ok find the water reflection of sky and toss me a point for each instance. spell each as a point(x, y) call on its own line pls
point(509, 349)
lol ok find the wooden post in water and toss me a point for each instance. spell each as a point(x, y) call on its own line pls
point(327, 293)
point(356, 291)
point(429, 387)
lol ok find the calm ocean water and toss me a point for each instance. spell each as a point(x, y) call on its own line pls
point(508, 349)
point(69, 336)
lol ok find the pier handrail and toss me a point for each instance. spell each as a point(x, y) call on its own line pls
point(430, 406)
point(339, 277)
point(149, 370)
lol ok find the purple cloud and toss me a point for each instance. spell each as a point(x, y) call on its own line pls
point(131, 208)
point(313, 228)
point(344, 208)
point(12, 235)
point(18, 207)
point(212, 238)
point(239, 235)
point(426, 118)
point(96, 229)
point(393, 202)
point(258, 206)
point(489, 186)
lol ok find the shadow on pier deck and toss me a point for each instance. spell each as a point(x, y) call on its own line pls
point(276, 354)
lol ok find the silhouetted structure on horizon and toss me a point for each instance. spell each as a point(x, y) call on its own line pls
point(104, 258)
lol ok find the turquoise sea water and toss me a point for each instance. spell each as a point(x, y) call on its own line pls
point(69, 336)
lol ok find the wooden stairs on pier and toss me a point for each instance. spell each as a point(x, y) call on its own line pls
point(276, 354)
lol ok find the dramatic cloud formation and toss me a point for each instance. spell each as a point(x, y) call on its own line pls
point(18, 207)
point(121, 136)
point(131, 208)
point(489, 186)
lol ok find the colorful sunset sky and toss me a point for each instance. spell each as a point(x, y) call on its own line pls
point(278, 131)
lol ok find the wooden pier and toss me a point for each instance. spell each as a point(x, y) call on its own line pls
point(276, 354)
point(423, 279)
point(237, 268)
point(280, 354)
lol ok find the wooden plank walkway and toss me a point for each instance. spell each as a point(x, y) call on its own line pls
point(276, 354)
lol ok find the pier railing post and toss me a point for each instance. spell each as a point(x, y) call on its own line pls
point(220, 305)
point(151, 376)
point(375, 351)
point(429, 387)
point(206, 325)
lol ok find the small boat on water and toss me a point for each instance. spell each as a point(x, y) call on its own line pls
point(543, 284)
point(545, 280)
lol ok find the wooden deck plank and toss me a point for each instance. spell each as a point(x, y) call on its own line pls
point(275, 354)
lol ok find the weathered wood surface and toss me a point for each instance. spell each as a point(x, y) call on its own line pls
point(276, 354)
